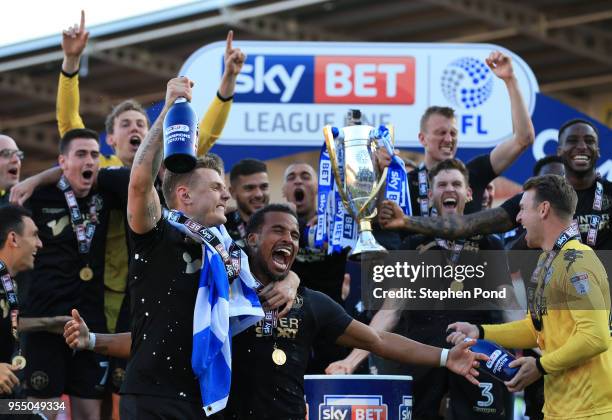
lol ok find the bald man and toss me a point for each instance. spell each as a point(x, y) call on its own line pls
point(10, 166)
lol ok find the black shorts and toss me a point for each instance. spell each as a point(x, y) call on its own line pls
point(148, 407)
point(490, 400)
point(53, 369)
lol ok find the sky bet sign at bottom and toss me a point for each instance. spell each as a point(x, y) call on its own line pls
point(287, 91)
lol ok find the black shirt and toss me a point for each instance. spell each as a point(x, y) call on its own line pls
point(584, 213)
point(4, 198)
point(481, 174)
point(263, 390)
point(236, 228)
point(163, 280)
point(55, 286)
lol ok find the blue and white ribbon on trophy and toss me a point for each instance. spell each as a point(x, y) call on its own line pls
point(397, 177)
point(326, 179)
point(334, 224)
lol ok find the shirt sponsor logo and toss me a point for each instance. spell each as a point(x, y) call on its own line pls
point(580, 282)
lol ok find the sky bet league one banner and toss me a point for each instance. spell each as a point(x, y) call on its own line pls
point(288, 91)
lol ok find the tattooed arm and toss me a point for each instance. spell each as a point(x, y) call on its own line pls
point(495, 220)
point(144, 208)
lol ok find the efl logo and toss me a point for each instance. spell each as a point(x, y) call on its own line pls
point(326, 79)
point(347, 407)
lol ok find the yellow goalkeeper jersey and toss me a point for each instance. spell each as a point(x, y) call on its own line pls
point(575, 337)
point(116, 254)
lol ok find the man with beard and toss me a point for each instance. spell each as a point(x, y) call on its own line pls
point(72, 217)
point(569, 313)
point(449, 194)
point(10, 165)
point(269, 358)
point(250, 189)
point(579, 149)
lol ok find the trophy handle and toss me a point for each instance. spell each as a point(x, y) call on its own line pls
point(381, 181)
point(331, 149)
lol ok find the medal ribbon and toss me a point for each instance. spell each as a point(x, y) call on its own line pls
point(535, 291)
point(231, 259)
point(595, 218)
point(84, 231)
point(423, 190)
point(10, 290)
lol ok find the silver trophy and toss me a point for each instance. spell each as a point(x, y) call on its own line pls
point(358, 179)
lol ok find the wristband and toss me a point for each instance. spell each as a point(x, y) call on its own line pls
point(92, 341)
point(480, 331)
point(222, 99)
point(539, 366)
point(443, 357)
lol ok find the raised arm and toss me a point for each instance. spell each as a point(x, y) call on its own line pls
point(495, 220)
point(74, 41)
point(213, 122)
point(504, 154)
point(144, 208)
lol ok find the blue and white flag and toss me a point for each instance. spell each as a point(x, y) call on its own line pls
point(219, 314)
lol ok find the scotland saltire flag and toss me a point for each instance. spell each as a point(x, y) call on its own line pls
point(218, 315)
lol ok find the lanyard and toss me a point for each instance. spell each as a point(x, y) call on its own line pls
point(535, 291)
point(595, 218)
point(423, 190)
point(84, 231)
point(231, 260)
point(8, 284)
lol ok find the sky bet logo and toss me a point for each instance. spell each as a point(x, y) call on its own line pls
point(326, 80)
point(352, 407)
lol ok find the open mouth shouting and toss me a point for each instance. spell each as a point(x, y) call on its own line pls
point(299, 195)
point(135, 141)
point(281, 257)
point(449, 203)
point(87, 174)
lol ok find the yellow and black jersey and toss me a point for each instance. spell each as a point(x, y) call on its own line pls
point(575, 335)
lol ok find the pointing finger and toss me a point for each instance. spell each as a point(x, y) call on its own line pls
point(228, 41)
point(82, 26)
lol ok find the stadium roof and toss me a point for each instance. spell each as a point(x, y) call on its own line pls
point(567, 43)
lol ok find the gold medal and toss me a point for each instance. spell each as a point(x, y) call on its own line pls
point(279, 357)
point(456, 286)
point(19, 362)
point(86, 274)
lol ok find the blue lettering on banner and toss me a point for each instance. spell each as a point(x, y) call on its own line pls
point(467, 121)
